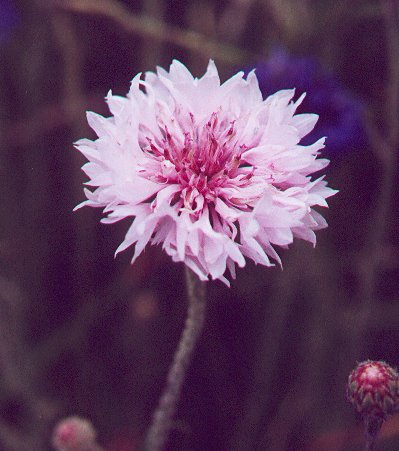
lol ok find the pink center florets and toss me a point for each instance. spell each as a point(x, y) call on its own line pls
point(201, 160)
point(372, 374)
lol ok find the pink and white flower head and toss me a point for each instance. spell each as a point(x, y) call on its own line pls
point(212, 171)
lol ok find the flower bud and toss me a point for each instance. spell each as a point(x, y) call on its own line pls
point(74, 434)
point(373, 389)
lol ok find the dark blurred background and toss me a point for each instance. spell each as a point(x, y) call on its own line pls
point(82, 333)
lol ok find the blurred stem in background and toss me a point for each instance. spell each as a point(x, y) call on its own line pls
point(151, 28)
point(385, 143)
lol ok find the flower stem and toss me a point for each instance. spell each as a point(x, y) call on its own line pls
point(163, 416)
point(372, 426)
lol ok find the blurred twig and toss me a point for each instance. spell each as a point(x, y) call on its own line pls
point(274, 327)
point(385, 147)
point(75, 331)
point(47, 119)
point(71, 51)
point(151, 51)
point(294, 19)
point(390, 9)
point(292, 411)
point(149, 27)
point(200, 18)
point(234, 19)
point(17, 374)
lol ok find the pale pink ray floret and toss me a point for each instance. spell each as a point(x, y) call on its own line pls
point(210, 171)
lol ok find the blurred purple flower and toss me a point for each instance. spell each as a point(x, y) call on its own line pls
point(340, 112)
point(8, 18)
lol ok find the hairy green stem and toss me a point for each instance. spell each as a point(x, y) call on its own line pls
point(163, 416)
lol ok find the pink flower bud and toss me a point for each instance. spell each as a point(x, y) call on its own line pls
point(74, 434)
point(373, 389)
